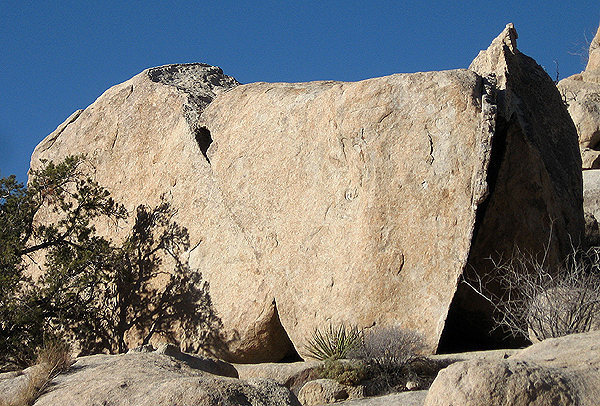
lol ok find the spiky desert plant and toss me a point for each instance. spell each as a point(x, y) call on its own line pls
point(333, 342)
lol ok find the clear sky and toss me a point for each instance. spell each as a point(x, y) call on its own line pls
point(59, 56)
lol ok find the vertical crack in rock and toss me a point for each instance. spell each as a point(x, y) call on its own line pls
point(115, 137)
point(494, 139)
point(130, 92)
point(430, 158)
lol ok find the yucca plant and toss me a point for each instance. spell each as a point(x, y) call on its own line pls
point(333, 342)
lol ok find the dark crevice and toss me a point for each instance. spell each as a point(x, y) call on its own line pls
point(291, 354)
point(595, 141)
point(203, 139)
point(469, 325)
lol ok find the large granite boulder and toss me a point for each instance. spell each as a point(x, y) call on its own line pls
point(558, 371)
point(330, 202)
point(535, 187)
point(154, 379)
point(581, 92)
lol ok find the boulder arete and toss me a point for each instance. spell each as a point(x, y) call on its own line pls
point(330, 202)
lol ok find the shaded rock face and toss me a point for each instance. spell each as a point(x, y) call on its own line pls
point(581, 92)
point(558, 371)
point(330, 202)
point(534, 179)
point(156, 379)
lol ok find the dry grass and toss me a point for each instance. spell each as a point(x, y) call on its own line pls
point(533, 300)
point(52, 359)
point(390, 345)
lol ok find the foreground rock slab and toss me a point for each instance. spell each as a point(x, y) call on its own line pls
point(559, 371)
point(413, 398)
point(156, 379)
point(291, 375)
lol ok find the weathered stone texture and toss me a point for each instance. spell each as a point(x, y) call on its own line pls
point(558, 371)
point(581, 92)
point(326, 391)
point(534, 180)
point(143, 139)
point(330, 202)
point(140, 379)
point(341, 188)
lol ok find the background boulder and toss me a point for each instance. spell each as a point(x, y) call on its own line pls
point(581, 92)
point(535, 187)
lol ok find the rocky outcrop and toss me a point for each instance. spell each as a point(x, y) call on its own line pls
point(155, 379)
point(558, 371)
point(330, 202)
point(144, 139)
point(581, 92)
point(534, 180)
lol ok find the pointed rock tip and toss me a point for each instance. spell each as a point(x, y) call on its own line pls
point(493, 59)
point(508, 37)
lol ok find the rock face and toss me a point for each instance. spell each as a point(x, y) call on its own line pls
point(582, 94)
point(155, 379)
point(340, 188)
point(534, 180)
point(591, 193)
point(558, 371)
point(144, 139)
point(330, 202)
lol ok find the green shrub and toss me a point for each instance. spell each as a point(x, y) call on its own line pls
point(333, 342)
point(347, 373)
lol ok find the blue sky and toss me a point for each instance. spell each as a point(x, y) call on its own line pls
point(58, 56)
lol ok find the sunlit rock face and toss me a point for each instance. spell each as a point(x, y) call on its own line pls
point(581, 93)
point(331, 202)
